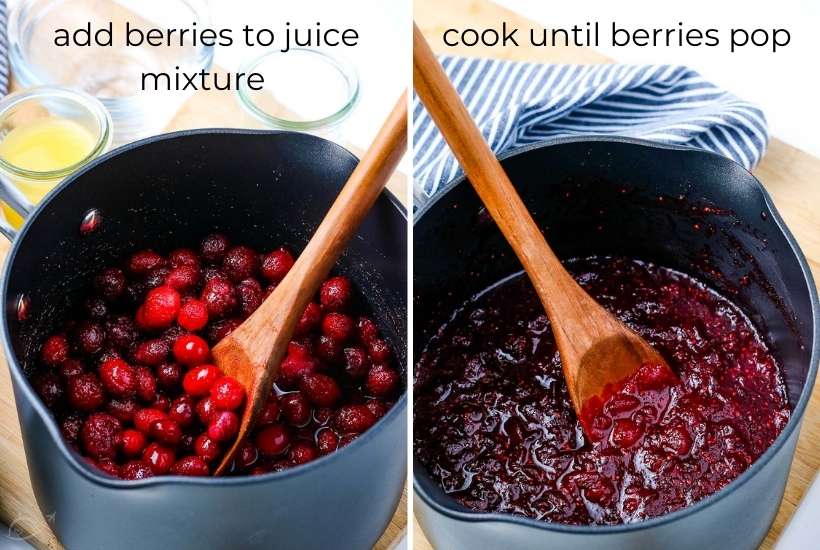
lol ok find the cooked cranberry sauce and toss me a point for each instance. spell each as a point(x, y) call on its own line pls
point(132, 386)
point(495, 428)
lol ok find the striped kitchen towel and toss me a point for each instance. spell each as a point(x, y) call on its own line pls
point(518, 103)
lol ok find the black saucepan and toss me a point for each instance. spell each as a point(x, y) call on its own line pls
point(691, 210)
point(261, 188)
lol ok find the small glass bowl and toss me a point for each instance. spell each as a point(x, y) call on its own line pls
point(23, 108)
point(306, 90)
point(110, 73)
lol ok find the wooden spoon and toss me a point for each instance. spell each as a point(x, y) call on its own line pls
point(597, 351)
point(253, 351)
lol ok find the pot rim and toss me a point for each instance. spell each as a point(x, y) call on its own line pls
point(72, 457)
point(447, 506)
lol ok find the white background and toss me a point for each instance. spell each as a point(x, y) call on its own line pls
point(785, 84)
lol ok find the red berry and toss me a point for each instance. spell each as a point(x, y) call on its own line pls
point(250, 296)
point(366, 330)
point(220, 329)
point(206, 448)
point(169, 375)
point(182, 410)
point(71, 426)
point(320, 389)
point(219, 296)
point(223, 426)
point(160, 308)
point(213, 248)
point(357, 363)
point(144, 261)
point(183, 278)
point(156, 277)
point(382, 380)
point(50, 388)
point(122, 409)
point(246, 456)
point(269, 413)
point(85, 392)
point(376, 407)
point(205, 410)
point(227, 393)
point(292, 369)
point(327, 441)
point(302, 452)
point(190, 466)
point(378, 350)
point(118, 377)
point(353, 419)
point(132, 442)
point(625, 433)
point(199, 380)
point(191, 350)
point(335, 293)
point(158, 458)
point(277, 264)
point(71, 367)
point(121, 332)
point(328, 350)
point(54, 351)
point(301, 349)
point(95, 308)
point(183, 256)
point(193, 315)
point(337, 326)
point(241, 262)
point(108, 467)
point(110, 283)
point(161, 402)
point(136, 469)
point(143, 419)
point(272, 440)
point(146, 384)
point(165, 430)
point(90, 338)
point(151, 352)
point(99, 436)
point(310, 319)
point(295, 409)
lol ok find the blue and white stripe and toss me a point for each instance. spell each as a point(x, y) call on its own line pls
point(4, 50)
point(517, 103)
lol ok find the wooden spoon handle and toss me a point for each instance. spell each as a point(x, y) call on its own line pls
point(486, 174)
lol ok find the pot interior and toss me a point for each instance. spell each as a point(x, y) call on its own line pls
point(263, 189)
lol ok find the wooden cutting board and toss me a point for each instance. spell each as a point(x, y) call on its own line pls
point(18, 508)
point(790, 175)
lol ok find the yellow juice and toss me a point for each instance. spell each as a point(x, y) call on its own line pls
point(43, 145)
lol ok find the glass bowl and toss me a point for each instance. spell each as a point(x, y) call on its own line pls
point(110, 73)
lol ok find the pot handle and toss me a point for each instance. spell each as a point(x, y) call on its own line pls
point(11, 195)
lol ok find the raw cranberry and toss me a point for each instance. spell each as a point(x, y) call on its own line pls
point(108, 467)
point(142, 262)
point(156, 277)
point(90, 338)
point(143, 419)
point(376, 407)
point(190, 466)
point(213, 248)
point(183, 257)
point(302, 452)
point(100, 435)
point(193, 315)
point(169, 376)
point(378, 350)
point(121, 332)
point(50, 388)
point(382, 380)
point(269, 413)
point(182, 410)
point(161, 402)
point(337, 326)
point(122, 409)
point(205, 410)
point(357, 363)
point(367, 330)
point(71, 426)
point(146, 384)
point(223, 426)
point(246, 456)
point(135, 292)
point(206, 448)
point(110, 283)
point(118, 377)
point(241, 262)
point(165, 430)
point(183, 278)
point(136, 469)
point(320, 389)
point(353, 419)
point(272, 440)
point(219, 296)
point(212, 272)
point(199, 380)
point(159, 458)
point(322, 415)
point(132, 442)
point(219, 330)
point(335, 294)
point(250, 296)
point(227, 393)
point(292, 369)
point(328, 350)
point(160, 308)
point(71, 367)
point(327, 441)
point(54, 351)
point(295, 409)
point(625, 433)
point(301, 348)
point(191, 350)
point(85, 392)
point(277, 264)
point(310, 319)
point(151, 352)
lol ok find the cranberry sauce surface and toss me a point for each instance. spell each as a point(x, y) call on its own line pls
point(494, 425)
point(132, 386)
